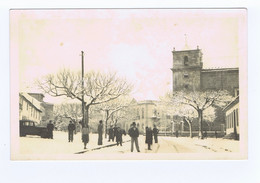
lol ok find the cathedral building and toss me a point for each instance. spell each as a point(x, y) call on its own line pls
point(188, 74)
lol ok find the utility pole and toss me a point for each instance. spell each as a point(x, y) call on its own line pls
point(82, 72)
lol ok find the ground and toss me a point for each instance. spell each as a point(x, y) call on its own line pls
point(31, 145)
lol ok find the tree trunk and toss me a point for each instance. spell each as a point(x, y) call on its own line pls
point(200, 123)
point(86, 117)
point(190, 129)
point(107, 113)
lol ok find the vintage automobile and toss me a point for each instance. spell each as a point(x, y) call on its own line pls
point(28, 127)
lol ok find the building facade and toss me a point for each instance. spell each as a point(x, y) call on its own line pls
point(188, 73)
point(232, 119)
point(47, 108)
point(29, 108)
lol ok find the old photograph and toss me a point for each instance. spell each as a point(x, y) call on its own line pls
point(128, 84)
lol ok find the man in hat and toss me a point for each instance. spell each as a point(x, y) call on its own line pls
point(71, 128)
point(134, 134)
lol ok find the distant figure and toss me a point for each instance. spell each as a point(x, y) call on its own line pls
point(205, 135)
point(177, 133)
point(149, 137)
point(119, 134)
point(71, 128)
point(85, 135)
point(216, 134)
point(100, 132)
point(115, 132)
point(134, 134)
point(155, 134)
point(110, 134)
point(50, 128)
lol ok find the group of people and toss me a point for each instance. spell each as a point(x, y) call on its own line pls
point(149, 134)
point(114, 133)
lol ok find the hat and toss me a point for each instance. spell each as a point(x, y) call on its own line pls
point(133, 123)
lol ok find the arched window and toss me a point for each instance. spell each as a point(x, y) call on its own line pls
point(186, 60)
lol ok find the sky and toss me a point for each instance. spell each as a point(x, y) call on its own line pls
point(135, 43)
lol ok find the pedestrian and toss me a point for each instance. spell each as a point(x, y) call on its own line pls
point(71, 128)
point(119, 134)
point(205, 134)
point(149, 137)
point(155, 134)
point(100, 132)
point(50, 128)
point(115, 132)
point(177, 133)
point(110, 134)
point(216, 134)
point(85, 135)
point(134, 134)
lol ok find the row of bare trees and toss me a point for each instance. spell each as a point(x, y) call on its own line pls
point(195, 104)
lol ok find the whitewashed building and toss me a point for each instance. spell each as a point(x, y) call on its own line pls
point(29, 108)
point(232, 118)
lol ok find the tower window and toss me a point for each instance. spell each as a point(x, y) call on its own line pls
point(186, 75)
point(186, 60)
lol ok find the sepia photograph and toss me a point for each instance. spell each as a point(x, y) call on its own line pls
point(128, 84)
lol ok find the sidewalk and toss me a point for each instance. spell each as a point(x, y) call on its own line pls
point(60, 144)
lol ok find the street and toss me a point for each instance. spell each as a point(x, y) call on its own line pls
point(60, 145)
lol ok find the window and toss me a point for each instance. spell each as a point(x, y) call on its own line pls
point(186, 60)
point(186, 86)
point(186, 75)
point(142, 113)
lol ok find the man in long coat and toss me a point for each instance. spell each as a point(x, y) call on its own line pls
point(100, 132)
point(71, 128)
point(110, 134)
point(149, 137)
point(119, 134)
point(50, 128)
point(155, 134)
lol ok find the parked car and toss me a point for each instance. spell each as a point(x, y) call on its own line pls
point(28, 127)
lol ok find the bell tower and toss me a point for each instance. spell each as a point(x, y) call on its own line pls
point(186, 70)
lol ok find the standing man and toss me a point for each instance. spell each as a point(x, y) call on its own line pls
point(50, 128)
point(149, 137)
point(155, 134)
point(100, 132)
point(134, 134)
point(71, 128)
point(119, 134)
point(110, 134)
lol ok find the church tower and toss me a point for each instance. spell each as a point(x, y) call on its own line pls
point(186, 70)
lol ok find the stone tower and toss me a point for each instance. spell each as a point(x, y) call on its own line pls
point(186, 70)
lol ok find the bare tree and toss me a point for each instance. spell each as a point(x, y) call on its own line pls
point(202, 100)
point(99, 87)
point(111, 108)
point(71, 111)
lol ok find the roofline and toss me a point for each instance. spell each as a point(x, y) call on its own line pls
point(31, 102)
point(186, 50)
point(37, 94)
point(231, 103)
point(220, 69)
